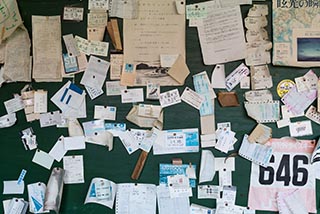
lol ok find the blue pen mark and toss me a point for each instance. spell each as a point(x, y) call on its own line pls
point(64, 95)
point(68, 100)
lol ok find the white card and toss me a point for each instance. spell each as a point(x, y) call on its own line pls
point(98, 5)
point(233, 79)
point(12, 187)
point(71, 45)
point(307, 82)
point(14, 105)
point(179, 186)
point(286, 113)
point(153, 91)
point(74, 143)
point(283, 123)
point(245, 83)
point(113, 88)
point(43, 159)
point(151, 111)
point(192, 98)
point(50, 119)
point(128, 142)
point(36, 195)
point(225, 164)
point(105, 112)
point(218, 78)
point(207, 170)
point(133, 95)
point(92, 47)
point(58, 150)
point(208, 140)
point(93, 92)
point(73, 166)
point(208, 192)
point(313, 114)
point(225, 178)
point(95, 73)
point(301, 128)
point(40, 101)
point(73, 13)
point(169, 98)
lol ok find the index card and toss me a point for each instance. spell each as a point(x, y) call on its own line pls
point(12, 187)
point(261, 134)
point(225, 178)
point(93, 92)
point(105, 112)
point(233, 79)
point(313, 114)
point(36, 195)
point(133, 95)
point(101, 191)
point(179, 70)
point(167, 60)
point(92, 47)
point(136, 198)
point(263, 112)
point(257, 153)
point(13, 105)
point(46, 40)
point(286, 113)
point(7, 120)
point(43, 159)
point(169, 98)
point(71, 45)
point(98, 5)
point(192, 98)
point(73, 13)
point(74, 143)
point(97, 19)
point(296, 101)
point(40, 101)
point(257, 96)
point(92, 127)
point(96, 72)
point(208, 192)
point(50, 119)
point(116, 61)
point(179, 186)
point(208, 140)
point(222, 36)
point(301, 128)
point(73, 166)
point(166, 204)
point(128, 142)
point(207, 170)
point(113, 88)
point(58, 150)
point(124, 9)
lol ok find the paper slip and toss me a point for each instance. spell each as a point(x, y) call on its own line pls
point(297, 102)
point(74, 128)
point(71, 45)
point(40, 101)
point(69, 96)
point(73, 13)
point(177, 141)
point(115, 128)
point(36, 196)
point(208, 192)
point(105, 112)
point(179, 70)
point(222, 164)
point(207, 170)
point(12, 187)
point(95, 73)
point(93, 92)
point(74, 143)
point(192, 98)
point(73, 166)
point(260, 77)
point(203, 87)
point(93, 127)
point(133, 95)
point(128, 74)
point(113, 88)
point(225, 141)
point(125, 10)
point(218, 78)
point(98, 5)
point(258, 10)
point(152, 111)
point(257, 96)
point(197, 209)
point(149, 139)
point(92, 47)
point(70, 64)
point(208, 140)
point(58, 150)
point(166, 170)
point(263, 112)
point(257, 153)
point(286, 113)
point(301, 128)
point(229, 195)
point(261, 134)
point(116, 61)
point(179, 186)
point(167, 60)
point(29, 139)
point(169, 98)
point(313, 114)
point(103, 138)
point(14, 105)
point(307, 82)
point(101, 191)
point(283, 123)
point(255, 22)
point(233, 79)
point(171, 205)
point(225, 178)
point(153, 91)
point(144, 122)
point(97, 19)
point(15, 206)
point(43, 159)
point(128, 142)
point(245, 83)
point(50, 119)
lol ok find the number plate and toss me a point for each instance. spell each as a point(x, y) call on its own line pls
point(289, 169)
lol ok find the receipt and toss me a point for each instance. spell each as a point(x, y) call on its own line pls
point(233, 79)
point(192, 98)
point(169, 98)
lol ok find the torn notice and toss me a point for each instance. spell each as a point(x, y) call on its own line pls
point(263, 112)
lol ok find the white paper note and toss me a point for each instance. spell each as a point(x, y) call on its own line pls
point(12, 187)
point(192, 98)
point(301, 128)
point(207, 170)
point(74, 143)
point(105, 112)
point(73, 166)
point(169, 98)
point(58, 150)
point(133, 95)
point(43, 159)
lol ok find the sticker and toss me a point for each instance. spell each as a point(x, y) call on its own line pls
point(284, 86)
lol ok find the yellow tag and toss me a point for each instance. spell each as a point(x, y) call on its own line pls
point(284, 86)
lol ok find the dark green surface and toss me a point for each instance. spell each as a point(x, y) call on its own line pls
point(117, 165)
